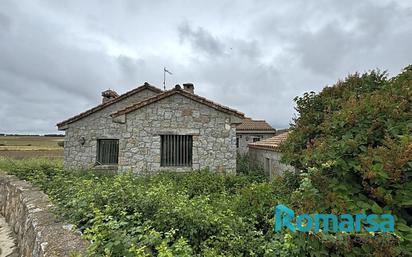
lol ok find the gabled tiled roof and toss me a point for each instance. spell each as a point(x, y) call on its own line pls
point(108, 103)
point(272, 143)
point(249, 124)
point(178, 90)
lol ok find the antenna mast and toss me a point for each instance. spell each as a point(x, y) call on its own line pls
point(164, 77)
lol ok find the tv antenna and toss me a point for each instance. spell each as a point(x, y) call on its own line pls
point(164, 76)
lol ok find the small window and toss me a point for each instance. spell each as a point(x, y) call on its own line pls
point(237, 142)
point(107, 151)
point(176, 150)
point(256, 139)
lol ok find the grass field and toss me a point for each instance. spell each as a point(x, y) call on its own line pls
point(19, 147)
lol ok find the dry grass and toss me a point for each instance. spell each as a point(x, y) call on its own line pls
point(30, 146)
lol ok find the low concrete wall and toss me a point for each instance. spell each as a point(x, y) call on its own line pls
point(28, 212)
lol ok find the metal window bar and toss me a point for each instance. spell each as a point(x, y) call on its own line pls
point(176, 150)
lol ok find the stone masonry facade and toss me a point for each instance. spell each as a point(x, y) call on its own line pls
point(269, 161)
point(139, 134)
point(246, 138)
point(214, 139)
point(98, 125)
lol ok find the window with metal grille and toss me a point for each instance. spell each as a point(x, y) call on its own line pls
point(256, 139)
point(107, 151)
point(237, 142)
point(176, 150)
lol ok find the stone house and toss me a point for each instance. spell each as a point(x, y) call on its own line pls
point(149, 130)
point(265, 154)
point(250, 131)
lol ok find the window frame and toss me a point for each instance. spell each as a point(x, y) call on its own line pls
point(176, 150)
point(256, 139)
point(100, 158)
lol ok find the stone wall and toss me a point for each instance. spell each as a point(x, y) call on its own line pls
point(28, 212)
point(214, 137)
point(246, 138)
point(269, 161)
point(98, 125)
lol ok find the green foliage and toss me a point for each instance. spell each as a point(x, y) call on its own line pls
point(169, 214)
point(353, 142)
point(244, 166)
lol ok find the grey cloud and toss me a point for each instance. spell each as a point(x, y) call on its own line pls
point(45, 79)
point(334, 46)
point(201, 40)
point(249, 49)
point(323, 51)
point(130, 68)
point(57, 56)
point(4, 22)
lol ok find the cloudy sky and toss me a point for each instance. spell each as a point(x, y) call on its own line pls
point(57, 56)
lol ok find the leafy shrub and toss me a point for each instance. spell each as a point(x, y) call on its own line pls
point(244, 166)
point(170, 214)
point(354, 143)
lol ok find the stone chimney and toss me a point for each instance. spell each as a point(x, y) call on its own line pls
point(108, 95)
point(189, 87)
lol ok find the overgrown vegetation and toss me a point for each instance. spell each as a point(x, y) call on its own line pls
point(196, 214)
point(352, 141)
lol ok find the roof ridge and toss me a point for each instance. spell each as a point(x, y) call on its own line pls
point(250, 124)
point(183, 92)
point(101, 106)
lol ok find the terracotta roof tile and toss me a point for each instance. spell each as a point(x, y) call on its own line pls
point(178, 90)
point(272, 143)
point(108, 103)
point(249, 124)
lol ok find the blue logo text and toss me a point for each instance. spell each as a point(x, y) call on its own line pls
point(285, 217)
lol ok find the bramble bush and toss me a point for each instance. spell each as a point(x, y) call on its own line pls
point(353, 142)
point(169, 214)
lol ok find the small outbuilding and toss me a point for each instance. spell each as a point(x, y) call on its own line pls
point(250, 131)
point(265, 154)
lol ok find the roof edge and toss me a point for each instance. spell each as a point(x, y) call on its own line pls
point(266, 147)
point(269, 144)
point(256, 130)
point(180, 91)
point(62, 125)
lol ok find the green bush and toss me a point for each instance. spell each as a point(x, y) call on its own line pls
point(353, 141)
point(244, 166)
point(170, 214)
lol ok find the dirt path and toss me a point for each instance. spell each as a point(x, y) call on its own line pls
point(7, 242)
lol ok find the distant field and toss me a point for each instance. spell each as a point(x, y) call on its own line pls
point(30, 146)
